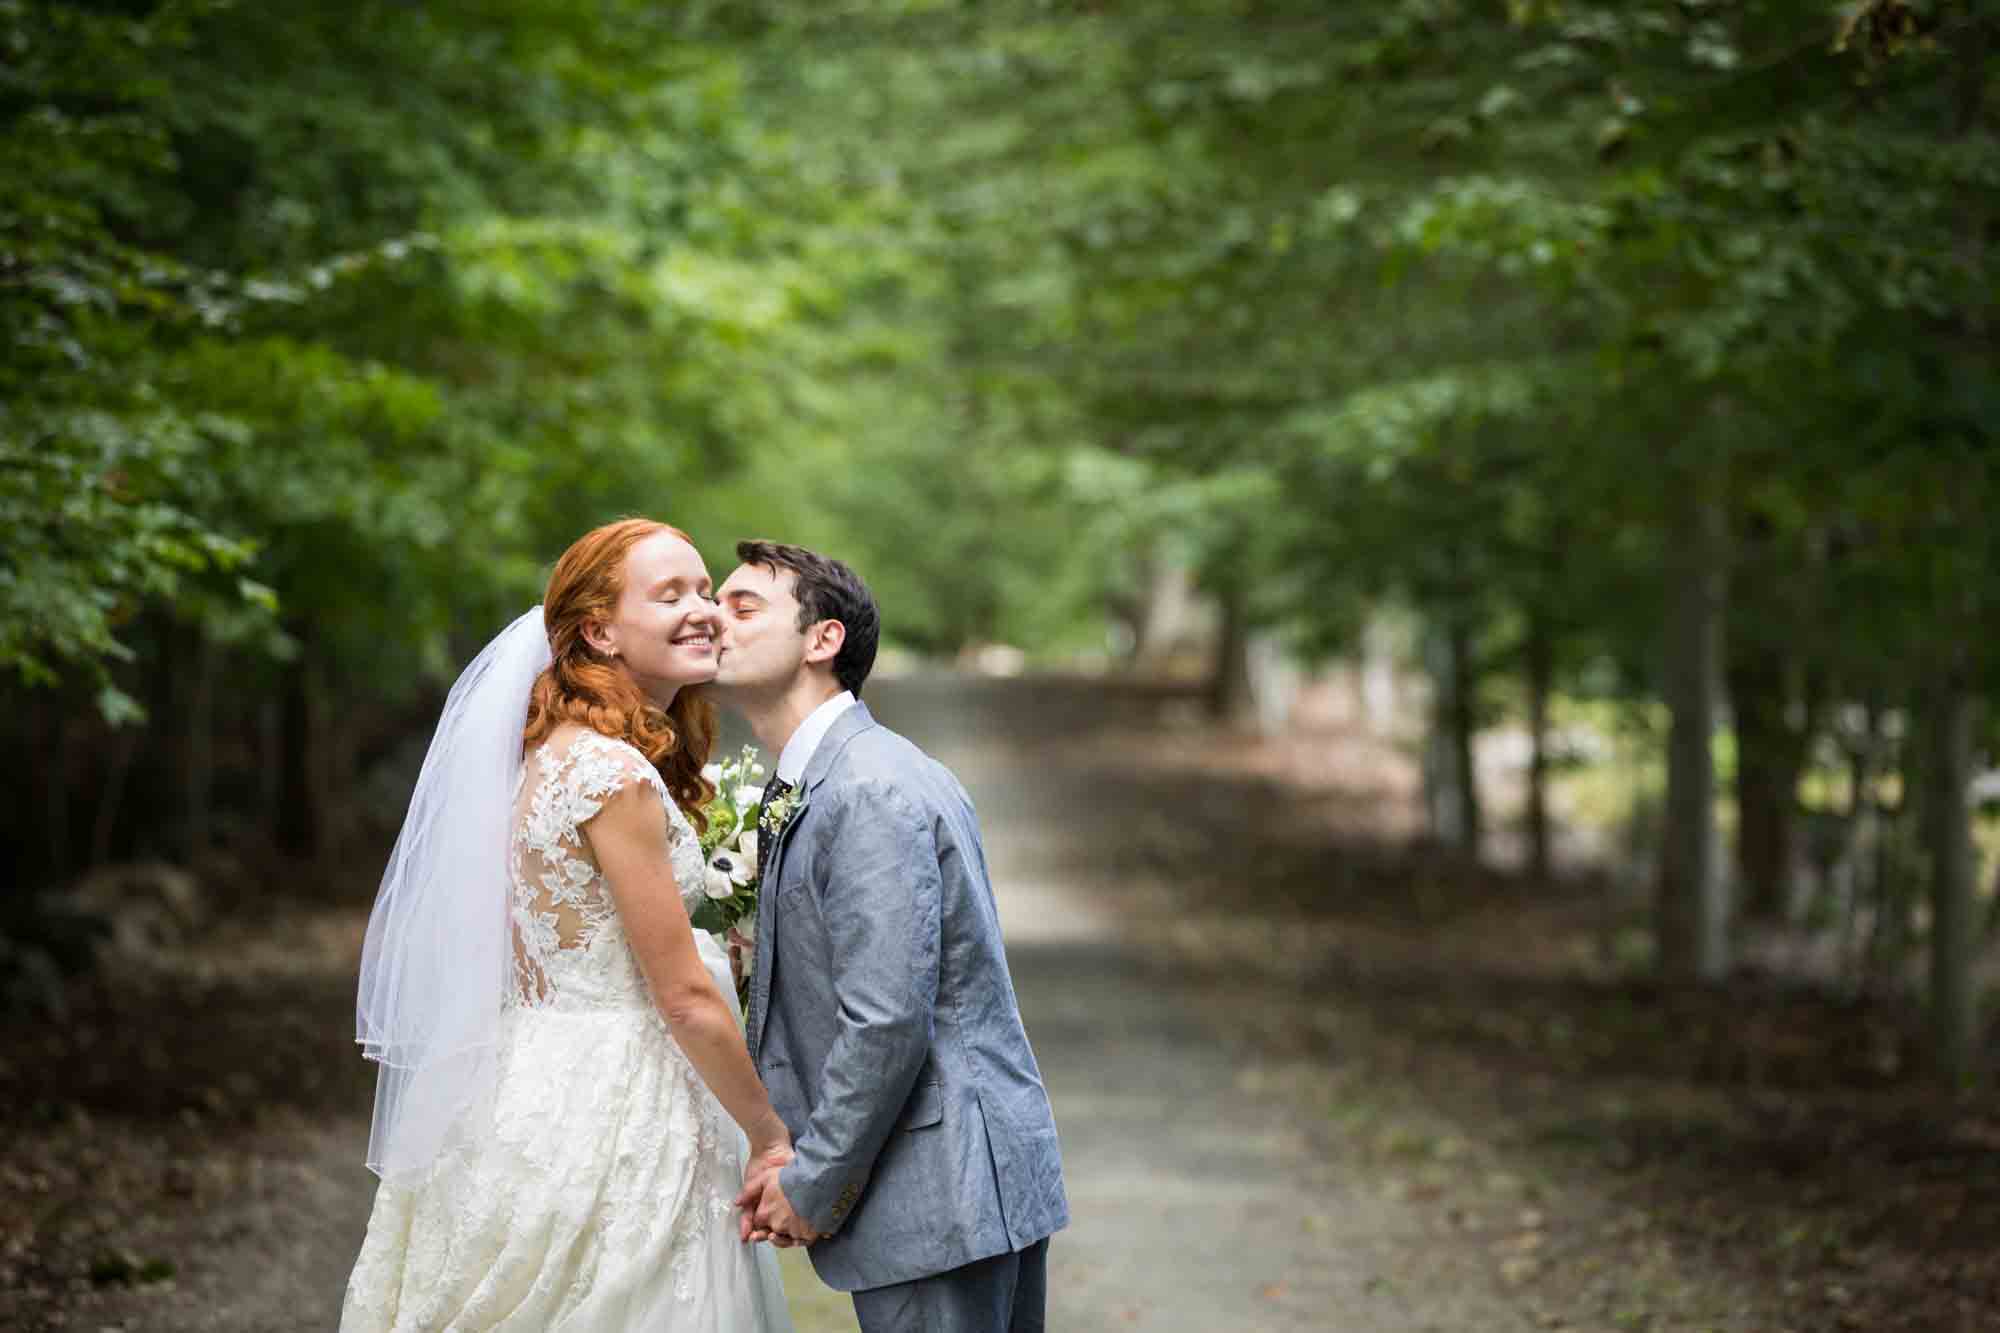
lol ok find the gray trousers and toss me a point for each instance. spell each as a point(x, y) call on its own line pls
point(1008, 1293)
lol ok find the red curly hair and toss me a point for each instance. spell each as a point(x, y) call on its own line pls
point(582, 685)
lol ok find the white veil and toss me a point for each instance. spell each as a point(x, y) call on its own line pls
point(438, 957)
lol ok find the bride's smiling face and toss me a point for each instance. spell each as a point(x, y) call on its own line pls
point(663, 627)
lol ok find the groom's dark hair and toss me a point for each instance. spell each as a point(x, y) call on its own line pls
point(827, 590)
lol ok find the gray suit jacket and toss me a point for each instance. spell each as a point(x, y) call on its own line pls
point(883, 1020)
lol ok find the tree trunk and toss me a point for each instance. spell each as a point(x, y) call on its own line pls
point(56, 778)
point(1451, 783)
point(1858, 841)
point(1769, 752)
point(1692, 910)
point(1948, 725)
point(298, 794)
point(1164, 618)
point(1991, 930)
point(122, 749)
point(1956, 935)
point(1464, 727)
point(1229, 696)
point(1375, 679)
point(1541, 677)
point(1894, 878)
point(197, 758)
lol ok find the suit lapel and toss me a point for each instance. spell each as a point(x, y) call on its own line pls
point(767, 920)
point(844, 729)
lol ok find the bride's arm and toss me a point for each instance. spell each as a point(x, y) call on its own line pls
point(629, 838)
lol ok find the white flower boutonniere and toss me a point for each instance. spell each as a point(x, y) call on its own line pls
point(778, 813)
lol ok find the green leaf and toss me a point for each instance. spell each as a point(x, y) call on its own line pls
point(118, 708)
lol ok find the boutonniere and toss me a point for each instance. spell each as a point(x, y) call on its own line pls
point(773, 817)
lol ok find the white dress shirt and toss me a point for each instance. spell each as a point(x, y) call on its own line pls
point(799, 749)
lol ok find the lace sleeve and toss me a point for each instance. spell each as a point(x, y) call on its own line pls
point(600, 768)
point(561, 901)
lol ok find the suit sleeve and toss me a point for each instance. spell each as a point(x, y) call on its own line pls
point(881, 904)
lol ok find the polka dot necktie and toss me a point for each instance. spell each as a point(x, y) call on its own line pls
point(767, 837)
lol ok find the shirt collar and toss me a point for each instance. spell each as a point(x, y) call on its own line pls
point(799, 749)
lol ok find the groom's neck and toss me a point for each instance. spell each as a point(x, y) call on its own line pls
point(774, 719)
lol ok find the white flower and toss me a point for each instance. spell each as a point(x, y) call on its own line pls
point(721, 880)
point(746, 847)
point(749, 796)
point(712, 773)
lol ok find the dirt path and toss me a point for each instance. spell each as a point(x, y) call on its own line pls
point(1205, 1199)
point(1216, 1186)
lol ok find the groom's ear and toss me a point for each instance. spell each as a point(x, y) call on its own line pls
point(825, 640)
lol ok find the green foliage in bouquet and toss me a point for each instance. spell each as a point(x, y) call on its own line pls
point(729, 846)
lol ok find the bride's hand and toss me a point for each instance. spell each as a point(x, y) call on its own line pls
point(770, 1148)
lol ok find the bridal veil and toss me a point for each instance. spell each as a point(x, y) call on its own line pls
point(437, 960)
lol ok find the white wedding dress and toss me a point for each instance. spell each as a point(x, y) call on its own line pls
point(598, 1196)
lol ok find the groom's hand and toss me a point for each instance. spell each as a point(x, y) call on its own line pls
point(765, 1213)
point(778, 1220)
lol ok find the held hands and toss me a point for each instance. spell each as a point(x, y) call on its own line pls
point(766, 1214)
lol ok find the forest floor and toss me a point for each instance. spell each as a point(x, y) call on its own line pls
point(1307, 1077)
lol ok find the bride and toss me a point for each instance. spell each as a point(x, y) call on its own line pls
point(560, 1069)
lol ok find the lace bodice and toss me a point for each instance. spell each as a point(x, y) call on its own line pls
point(570, 950)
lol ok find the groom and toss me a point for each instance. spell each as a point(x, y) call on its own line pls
point(882, 1017)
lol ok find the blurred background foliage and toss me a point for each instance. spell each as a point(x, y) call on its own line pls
point(1637, 355)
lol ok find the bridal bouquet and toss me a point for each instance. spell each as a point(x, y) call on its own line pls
point(730, 846)
point(738, 820)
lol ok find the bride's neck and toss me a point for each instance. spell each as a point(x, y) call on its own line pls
point(660, 693)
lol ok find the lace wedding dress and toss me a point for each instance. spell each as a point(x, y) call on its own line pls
point(598, 1197)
